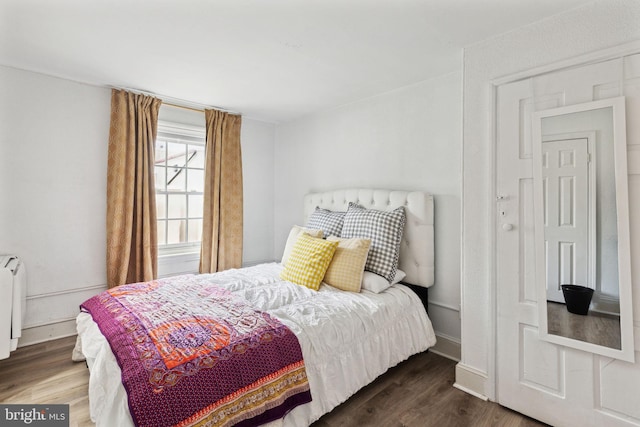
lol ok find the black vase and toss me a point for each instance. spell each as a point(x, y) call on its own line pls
point(578, 298)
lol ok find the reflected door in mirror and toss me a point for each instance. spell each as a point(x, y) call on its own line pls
point(565, 176)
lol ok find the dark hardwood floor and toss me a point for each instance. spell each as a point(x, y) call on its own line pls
point(419, 392)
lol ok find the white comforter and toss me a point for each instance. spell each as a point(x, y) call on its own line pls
point(347, 340)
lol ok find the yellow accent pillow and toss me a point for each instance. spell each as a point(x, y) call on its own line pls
point(296, 230)
point(308, 261)
point(347, 266)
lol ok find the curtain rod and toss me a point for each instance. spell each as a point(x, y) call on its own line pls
point(182, 107)
point(176, 102)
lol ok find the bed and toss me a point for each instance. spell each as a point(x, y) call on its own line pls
point(347, 339)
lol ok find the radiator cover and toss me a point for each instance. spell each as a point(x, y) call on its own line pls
point(13, 298)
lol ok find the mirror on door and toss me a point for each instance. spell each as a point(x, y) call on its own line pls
point(581, 215)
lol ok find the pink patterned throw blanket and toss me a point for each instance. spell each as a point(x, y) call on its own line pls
point(195, 354)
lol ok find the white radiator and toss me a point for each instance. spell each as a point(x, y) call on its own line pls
point(13, 300)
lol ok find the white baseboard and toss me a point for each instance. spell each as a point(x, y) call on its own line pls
point(52, 315)
point(606, 304)
point(47, 332)
point(447, 346)
point(471, 381)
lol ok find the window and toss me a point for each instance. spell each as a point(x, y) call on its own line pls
point(179, 180)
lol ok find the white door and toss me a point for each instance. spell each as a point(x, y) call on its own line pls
point(565, 177)
point(555, 384)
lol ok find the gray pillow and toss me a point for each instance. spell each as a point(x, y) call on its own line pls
point(330, 222)
point(384, 228)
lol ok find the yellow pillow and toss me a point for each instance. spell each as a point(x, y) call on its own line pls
point(296, 230)
point(308, 261)
point(347, 266)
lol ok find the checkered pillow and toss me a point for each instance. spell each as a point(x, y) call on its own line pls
point(329, 222)
point(385, 231)
point(295, 232)
point(308, 261)
point(347, 266)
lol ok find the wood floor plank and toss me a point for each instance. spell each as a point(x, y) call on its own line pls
point(417, 393)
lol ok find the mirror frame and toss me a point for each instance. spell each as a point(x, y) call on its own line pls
point(617, 105)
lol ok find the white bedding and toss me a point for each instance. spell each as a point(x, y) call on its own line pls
point(347, 339)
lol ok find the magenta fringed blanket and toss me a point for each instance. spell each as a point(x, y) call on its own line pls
point(195, 354)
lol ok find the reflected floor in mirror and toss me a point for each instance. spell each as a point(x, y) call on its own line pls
point(596, 328)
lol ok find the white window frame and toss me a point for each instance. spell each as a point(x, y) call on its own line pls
point(188, 134)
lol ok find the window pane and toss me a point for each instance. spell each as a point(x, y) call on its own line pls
point(176, 179)
point(176, 153)
point(196, 180)
point(196, 156)
point(176, 231)
point(195, 205)
point(161, 206)
point(160, 152)
point(195, 230)
point(179, 177)
point(177, 206)
point(160, 177)
point(162, 235)
point(176, 162)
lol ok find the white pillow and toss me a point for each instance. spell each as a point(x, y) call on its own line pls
point(375, 283)
point(296, 230)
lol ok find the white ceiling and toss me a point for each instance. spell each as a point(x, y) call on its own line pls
point(273, 60)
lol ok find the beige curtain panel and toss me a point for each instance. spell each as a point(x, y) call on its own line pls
point(132, 241)
point(222, 224)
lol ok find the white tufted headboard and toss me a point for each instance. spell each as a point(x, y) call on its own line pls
point(416, 248)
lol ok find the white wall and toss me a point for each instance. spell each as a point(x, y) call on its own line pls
point(410, 139)
point(258, 151)
point(53, 135)
point(53, 165)
point(598, 25)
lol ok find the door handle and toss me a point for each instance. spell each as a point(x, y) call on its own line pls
point(507, 227)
